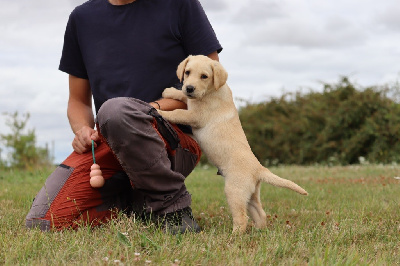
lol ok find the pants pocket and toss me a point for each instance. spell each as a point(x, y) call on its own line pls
point(183, 161)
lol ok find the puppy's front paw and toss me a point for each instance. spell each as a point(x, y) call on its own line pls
point(165, 114)
point(169, 93)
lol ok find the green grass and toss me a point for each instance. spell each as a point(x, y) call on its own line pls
point(351, 217)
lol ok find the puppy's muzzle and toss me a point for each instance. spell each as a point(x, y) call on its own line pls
point(190, 90)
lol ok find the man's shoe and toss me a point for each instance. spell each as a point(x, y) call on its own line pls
point(179, 222)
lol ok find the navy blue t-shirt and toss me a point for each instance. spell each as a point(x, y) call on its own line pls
point(133, 50)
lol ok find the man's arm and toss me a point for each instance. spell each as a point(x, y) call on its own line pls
point(214, 56)
point(80, 114)
point(171, 104)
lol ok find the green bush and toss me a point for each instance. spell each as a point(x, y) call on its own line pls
point(339, 125)
point(24, 153)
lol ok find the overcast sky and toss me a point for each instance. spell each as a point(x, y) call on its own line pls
point(270, 47)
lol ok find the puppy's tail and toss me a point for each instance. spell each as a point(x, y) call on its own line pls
point(270, 178)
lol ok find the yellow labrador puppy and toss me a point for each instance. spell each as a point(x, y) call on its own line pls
point(216, 126)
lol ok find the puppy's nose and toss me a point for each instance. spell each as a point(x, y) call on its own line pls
point(189, 88)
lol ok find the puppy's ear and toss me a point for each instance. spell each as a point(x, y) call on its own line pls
point(220, 75)
point(181, 68)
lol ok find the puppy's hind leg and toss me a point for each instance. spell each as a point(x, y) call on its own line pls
point(255, 209)
point(237, 198)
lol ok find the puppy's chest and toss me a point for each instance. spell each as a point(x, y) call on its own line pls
point(203, 134)
point(211, 139)
point(213, 127)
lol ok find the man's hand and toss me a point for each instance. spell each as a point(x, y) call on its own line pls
point(83, 139)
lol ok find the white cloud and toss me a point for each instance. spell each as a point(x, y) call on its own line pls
point(306, 34)
point(30, 47)
point(389, 17)
point(270, 47)
point(214, 5)
point(256, 11)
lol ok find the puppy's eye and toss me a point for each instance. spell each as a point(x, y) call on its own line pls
point(204, 76)
point(187, 73)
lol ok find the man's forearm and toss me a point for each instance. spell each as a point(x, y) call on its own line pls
point(166, 104)
point(79, 116)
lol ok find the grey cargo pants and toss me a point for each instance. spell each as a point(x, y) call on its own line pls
point(157, 177)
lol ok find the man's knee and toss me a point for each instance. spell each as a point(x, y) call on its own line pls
point(111, 110)
point(122, 114)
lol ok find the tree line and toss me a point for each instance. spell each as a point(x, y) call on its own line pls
point(343, 124)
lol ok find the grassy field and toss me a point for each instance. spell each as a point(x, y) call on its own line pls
point(351, 217)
